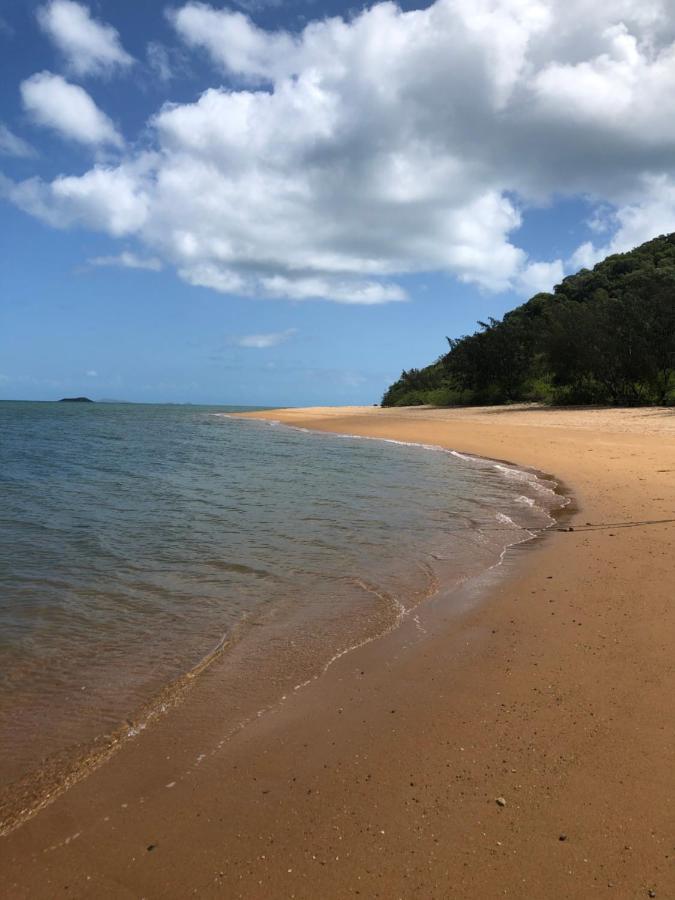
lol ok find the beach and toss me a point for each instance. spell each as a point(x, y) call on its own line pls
point(519, 742)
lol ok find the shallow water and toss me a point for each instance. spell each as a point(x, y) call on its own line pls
point(135, 539)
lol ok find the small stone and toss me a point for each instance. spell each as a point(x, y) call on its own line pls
point(151, 847)
point(651, 893)
point(562, 837)
point(500, 801)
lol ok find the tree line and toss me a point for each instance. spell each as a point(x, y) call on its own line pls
point(604, 336)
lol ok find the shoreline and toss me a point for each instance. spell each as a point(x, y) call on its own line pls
point(382, 777)
point(59, 772)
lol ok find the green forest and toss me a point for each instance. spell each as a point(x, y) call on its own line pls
point(604, 336)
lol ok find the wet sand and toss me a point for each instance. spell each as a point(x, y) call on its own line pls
point(553, 692)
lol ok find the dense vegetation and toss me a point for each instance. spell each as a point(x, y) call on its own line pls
point(605, 335)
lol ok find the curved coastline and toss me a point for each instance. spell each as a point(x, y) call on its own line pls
point(555, 695)
point(37, 790)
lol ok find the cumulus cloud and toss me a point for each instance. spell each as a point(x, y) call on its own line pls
point(650, 212)
point(89, 46)
point(264, 341)
point(127, 260)
point(12, 145)
point(350, 290)
point(541, 276)
point(108, 199)
point(331, 162)
point(233, 40)
point(67, 109)
point(586, 256)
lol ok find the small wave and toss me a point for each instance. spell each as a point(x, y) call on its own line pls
point(506, 520)
point(382, 440)
point(530, 478)
point(221, 415)
point(515, 474)
point(525, 501)
point(465, 456)
point(203, 532)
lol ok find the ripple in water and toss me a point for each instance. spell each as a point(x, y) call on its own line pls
point(137, 540)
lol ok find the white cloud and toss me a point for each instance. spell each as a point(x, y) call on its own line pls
point(91, 373)
point(585, 256)
point(649, 212)
point(12, 145)
point(541, 276)
point(89, 46)
point(652, 212)
point(108, 199)
point(208, 274)
point(264, 341)
point(67, 109)
point(234, 41)
point(342, 290)
point(127, 260)
point(334, 161)
point(368, 293)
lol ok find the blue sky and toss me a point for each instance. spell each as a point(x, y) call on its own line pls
point(288, 203)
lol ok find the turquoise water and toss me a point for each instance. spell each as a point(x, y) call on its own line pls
point(134, 540)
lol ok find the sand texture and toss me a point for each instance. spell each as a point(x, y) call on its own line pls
point(515, 743)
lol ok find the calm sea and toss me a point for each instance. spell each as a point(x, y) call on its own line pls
point(137, 541)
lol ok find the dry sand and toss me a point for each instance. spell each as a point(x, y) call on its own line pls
point(555, 692)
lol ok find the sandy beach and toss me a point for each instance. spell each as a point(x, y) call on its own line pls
point(519, 742)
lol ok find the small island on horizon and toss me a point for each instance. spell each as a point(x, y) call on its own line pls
point(75, 400)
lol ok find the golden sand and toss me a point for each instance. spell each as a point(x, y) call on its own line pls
point(523, 746)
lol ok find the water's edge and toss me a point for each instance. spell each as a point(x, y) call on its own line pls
point(63, 770)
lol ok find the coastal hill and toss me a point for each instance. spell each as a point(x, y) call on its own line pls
point(604, 336)
point(75, 400)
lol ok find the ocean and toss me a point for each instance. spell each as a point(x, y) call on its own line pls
point(140, 544)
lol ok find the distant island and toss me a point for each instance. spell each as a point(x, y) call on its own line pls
point(75, 400)
point(604, 336)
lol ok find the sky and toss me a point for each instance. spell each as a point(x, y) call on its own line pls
point(287, 203)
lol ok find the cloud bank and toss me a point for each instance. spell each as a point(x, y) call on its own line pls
point(333, 161)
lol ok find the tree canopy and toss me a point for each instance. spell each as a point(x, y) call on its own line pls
point(605, 335)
